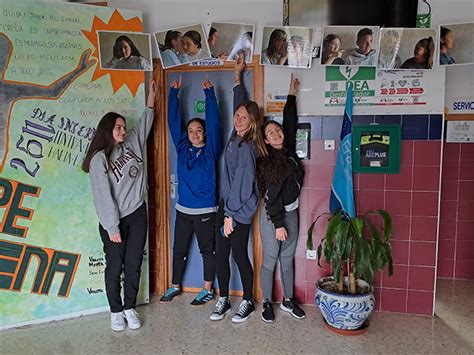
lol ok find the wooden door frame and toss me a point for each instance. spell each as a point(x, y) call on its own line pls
point(162, 238)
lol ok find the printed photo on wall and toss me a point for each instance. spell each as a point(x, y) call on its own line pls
point(407, 48)
point(228, 41)
point(182, 45)
point(350, 45)
point(124, 51)
point(456, 44)
point(287, 46)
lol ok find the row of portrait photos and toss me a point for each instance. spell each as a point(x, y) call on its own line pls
point(291, 46)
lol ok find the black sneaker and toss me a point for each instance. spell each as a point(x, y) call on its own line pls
point(222, 308)
point(170, 293)
point(203, 297)
point(246, 308)
point(290, 305)
point(268, 316)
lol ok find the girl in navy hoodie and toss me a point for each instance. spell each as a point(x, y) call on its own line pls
point(239, 199)
point(198, 147)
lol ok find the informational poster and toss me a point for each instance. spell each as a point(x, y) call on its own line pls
point(338, 80)
point(52, 95)
point(323, 90)
point(460, 132)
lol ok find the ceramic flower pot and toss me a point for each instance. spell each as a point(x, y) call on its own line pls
point(347, 312)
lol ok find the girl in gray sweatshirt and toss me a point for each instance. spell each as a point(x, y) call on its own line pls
point(115, 163)
point(239, 198)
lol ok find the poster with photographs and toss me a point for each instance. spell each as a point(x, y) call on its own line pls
point(456, 44)
point(182, 45)
point(124, 51)
point(229, 41)
point(287, 46)
point(350, 45)
point(407, 48)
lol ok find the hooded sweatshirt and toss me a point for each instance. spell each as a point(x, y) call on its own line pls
point(356, 58)
point(119, 185)
point(196, 165)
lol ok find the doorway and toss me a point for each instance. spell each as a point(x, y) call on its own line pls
point(164, 178)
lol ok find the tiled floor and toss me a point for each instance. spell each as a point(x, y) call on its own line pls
point(178, 328)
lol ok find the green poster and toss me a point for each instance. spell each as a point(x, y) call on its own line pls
point(337, 81)
point(52, 95)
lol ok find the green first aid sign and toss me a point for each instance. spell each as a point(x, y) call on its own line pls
point(338, 80)
point(199, 106)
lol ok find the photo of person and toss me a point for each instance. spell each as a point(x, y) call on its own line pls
point(229, 41)
point(332, 52)
point(124, 51)
point(364, 53)
point(422, 55)
point(171, 51)
point(287, 46)
point(446, 43)
point(389, 47)
point(182, 45)
point(406, 48)
point(456, 43)
point(338, 45)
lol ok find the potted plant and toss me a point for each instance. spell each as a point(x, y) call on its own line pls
point(354, 248)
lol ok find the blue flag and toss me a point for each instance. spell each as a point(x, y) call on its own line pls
point(342, 195)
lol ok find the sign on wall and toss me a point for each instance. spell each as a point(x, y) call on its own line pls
point(52, 95)
point(460, 132)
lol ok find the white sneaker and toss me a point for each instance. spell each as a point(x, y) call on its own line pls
point(132, 318)
point(117, 321)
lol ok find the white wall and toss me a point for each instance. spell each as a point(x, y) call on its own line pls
point(459, 79)
point(163, 14)
point(160, 15)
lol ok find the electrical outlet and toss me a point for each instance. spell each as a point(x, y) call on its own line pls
point(329, 144)
point(311, 254)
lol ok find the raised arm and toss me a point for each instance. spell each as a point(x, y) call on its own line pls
point(178, 135)
point(239, 92)
point(290, 117)
point(142, 129)
point(213, 128)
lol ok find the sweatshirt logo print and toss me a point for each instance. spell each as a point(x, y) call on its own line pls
point(133, 172)
point(119, 164)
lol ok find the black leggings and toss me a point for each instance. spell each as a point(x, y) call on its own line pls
point(126, 256)
point(185, 226)
point(237, 242)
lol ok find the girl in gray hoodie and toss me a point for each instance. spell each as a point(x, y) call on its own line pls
point(115, 163)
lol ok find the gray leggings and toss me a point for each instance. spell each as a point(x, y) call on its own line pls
point(273, 249)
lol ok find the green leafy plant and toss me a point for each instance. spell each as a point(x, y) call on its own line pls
point(356, 243)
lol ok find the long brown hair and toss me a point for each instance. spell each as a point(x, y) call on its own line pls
point(272, 50)
point(254, 132)
point(103, 139)
point(428, 45)
point(117, 51)
point(272, 165)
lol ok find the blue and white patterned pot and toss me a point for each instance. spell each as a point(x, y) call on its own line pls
point(344, 311)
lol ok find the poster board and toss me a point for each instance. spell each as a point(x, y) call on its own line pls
point(52, 95)
point(322, 90)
